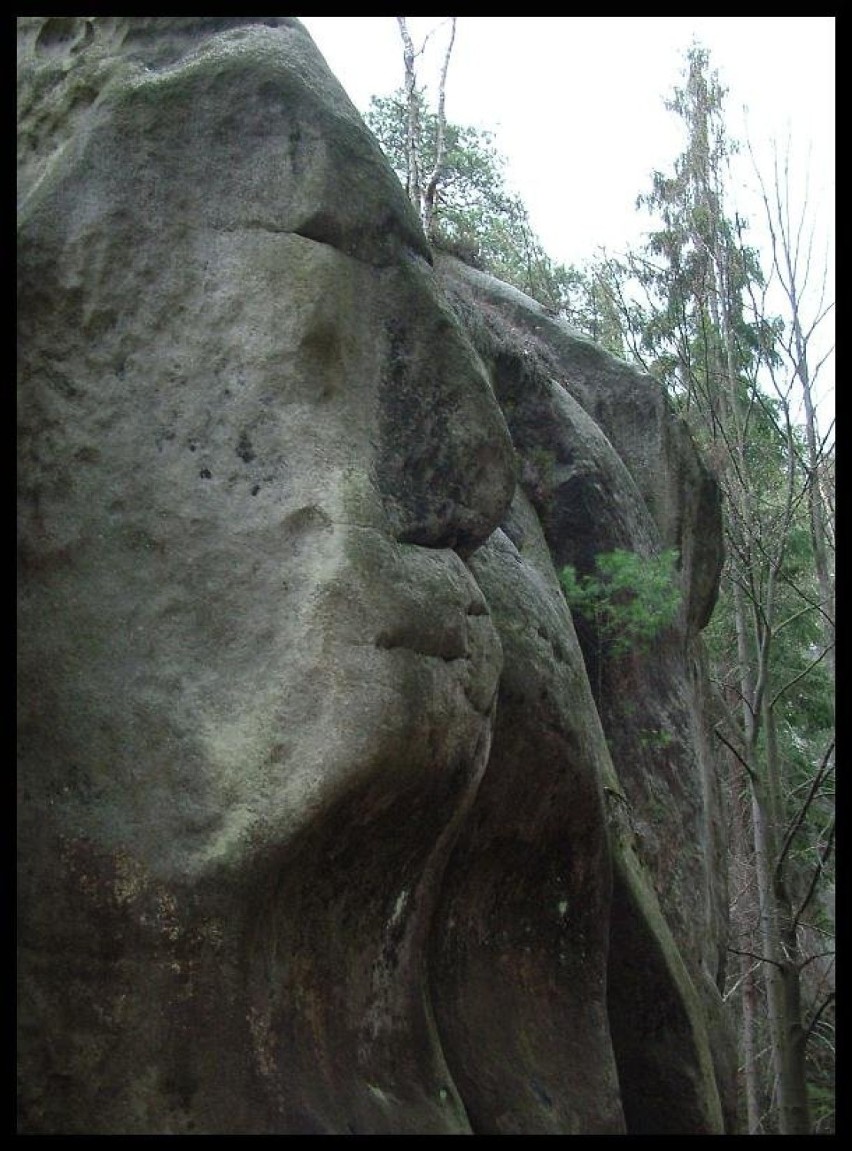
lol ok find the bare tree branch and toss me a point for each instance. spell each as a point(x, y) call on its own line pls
point(734, 751)
point(829, 999)
point(803, 810)
point(758, 958)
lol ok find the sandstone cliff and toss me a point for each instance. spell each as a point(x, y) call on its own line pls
point(324, 825)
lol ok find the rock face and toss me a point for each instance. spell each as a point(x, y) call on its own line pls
point(321, 826)
point(606, 466)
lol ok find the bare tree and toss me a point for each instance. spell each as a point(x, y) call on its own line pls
point(792, 250)
point(424, 198)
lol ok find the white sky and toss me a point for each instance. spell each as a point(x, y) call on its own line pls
point(576, 105)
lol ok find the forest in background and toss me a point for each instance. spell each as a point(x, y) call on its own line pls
point(734, 334)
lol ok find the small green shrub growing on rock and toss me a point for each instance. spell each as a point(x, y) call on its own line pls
point(629, 599)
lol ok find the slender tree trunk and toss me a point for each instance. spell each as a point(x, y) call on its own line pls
point(815, 506)
point(430, 197)
point(793, 1100)
point(414, 187)
point(785, 249)
point(779, 944)
point(764, 857)
point(424, 199)
point(745, 915)
point(749, 1044)
point(797, 1120)
point(769, 943)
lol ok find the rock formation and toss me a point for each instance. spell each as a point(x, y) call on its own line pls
point(324, 826)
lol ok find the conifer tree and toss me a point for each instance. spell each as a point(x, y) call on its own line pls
point(703, 328)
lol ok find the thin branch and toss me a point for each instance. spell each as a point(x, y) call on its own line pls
point(823, 859)
point(829, 999)
point(732, 990)
point(803, 810)
point(759, 958)
point(801, 674)
point(817, 955)
point(734, 751)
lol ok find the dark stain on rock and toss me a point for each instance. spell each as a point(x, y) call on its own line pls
point(244, 449)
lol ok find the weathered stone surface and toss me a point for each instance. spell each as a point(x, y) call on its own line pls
point(568, 403)
point(320, 830)
point(519, 946)
point(248, 654)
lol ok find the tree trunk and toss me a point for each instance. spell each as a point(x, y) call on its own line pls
point(430, 198)
point(744, 914)
point(414, 187)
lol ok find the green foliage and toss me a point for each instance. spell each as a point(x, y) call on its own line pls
point(629, 599)
point(542, 464)
point(478, 218)
point(655, 740)
point(473, 178)
point(822, 1103)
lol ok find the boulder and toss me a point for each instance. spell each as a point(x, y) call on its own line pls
point(255, 679)
point(607, 465)
point(329, 822)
